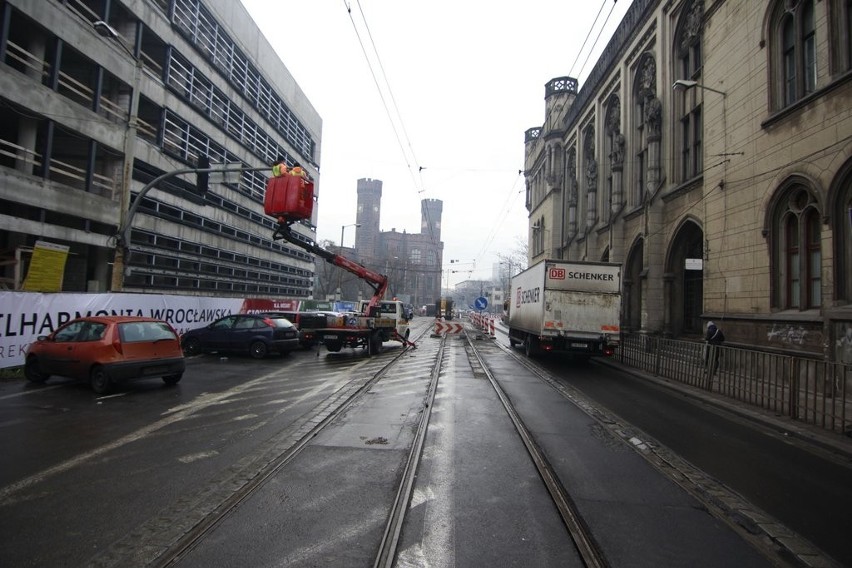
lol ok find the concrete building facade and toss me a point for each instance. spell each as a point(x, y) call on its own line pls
point(709, 154)
point(179, 81)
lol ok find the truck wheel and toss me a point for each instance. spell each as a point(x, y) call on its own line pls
point(333, 345)
point(512, 341)
point(374, 345)
point(530, 347)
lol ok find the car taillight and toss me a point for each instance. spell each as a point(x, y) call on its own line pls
point(269, 322)
point(116, 344)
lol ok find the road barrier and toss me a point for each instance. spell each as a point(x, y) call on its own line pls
point(442, 327)
point(810, 390)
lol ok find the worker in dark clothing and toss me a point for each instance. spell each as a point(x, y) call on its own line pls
point(714, 339)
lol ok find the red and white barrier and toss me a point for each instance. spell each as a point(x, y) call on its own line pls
point(447, 327)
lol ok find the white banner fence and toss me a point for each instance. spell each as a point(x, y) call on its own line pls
point(26, 315)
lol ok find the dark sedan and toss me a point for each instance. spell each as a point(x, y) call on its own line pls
point(255, 334)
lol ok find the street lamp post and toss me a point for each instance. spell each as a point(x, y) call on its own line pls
point(340, 270)
point(118, 267)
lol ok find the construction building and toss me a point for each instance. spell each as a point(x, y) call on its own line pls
point(99, 98)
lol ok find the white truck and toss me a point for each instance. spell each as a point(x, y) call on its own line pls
point(566, 306)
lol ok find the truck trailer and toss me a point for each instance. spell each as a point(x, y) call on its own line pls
point(566, 306)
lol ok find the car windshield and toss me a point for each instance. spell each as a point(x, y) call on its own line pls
point(145, 331)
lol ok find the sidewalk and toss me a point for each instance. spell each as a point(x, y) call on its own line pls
point(819, 437)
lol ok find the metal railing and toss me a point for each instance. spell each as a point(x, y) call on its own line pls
point(810, 390)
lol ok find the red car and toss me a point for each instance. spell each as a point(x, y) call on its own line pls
point(107, 349)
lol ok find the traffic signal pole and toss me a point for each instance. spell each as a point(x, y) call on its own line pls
point(122, 238)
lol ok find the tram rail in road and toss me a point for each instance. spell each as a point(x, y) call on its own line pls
point(401, 432)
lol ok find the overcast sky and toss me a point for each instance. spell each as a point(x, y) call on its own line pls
point(449, 86)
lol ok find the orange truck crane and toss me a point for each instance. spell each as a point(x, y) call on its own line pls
point(289, 198)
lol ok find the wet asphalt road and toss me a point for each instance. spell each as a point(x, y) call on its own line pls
point(88, 480)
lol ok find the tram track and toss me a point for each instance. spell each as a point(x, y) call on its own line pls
point(193, 538)
point(171, 537)
point(721, 502)
point(589, 550)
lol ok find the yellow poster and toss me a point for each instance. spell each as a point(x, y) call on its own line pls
point(47, 268)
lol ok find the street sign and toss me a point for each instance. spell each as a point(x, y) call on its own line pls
point(480, 303)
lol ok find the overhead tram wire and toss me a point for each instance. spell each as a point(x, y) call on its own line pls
point(408, 159)
point(588, 35)
point(390, 93)
point(600, 31)
point(505, 212)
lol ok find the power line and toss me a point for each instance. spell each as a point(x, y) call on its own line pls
point(571, 70)
point(588, 55)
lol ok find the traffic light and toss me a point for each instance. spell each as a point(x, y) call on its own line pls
point(202, 179)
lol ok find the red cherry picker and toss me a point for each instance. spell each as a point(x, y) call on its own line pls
point(290, 198)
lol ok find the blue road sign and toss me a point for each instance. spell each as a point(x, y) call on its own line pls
point(480, 303)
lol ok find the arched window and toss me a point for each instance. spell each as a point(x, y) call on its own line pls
point(793, 51)
point(689, 134)
point(797, 237)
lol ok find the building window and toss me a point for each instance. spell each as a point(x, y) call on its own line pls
point(797, 235)
point(688, 41)
point(692, 160)
point(794, 50)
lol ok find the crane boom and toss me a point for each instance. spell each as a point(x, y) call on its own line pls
point(378, 282)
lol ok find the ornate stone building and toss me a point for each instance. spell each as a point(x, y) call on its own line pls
point(708, 153)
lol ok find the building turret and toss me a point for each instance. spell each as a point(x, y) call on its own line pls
point(430, 219)
point(368, 217)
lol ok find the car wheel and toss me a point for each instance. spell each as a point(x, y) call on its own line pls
point(32, 371)
point(99, 380)
point(258, 350)
point(172, 379)
point(191, 347)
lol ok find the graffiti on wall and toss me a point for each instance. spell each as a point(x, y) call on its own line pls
point(788, 334)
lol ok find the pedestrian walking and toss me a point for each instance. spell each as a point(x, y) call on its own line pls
point(714, 338)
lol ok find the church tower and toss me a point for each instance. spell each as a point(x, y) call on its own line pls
point(367, 236)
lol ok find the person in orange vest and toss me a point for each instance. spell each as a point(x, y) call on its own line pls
point(297, 170)
point(279, 168)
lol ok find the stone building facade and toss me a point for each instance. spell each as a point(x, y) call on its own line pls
point(151, 89)
point(709, 154)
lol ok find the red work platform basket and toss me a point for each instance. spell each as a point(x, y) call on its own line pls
point(289, 197)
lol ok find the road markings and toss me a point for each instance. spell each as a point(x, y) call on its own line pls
point(177, 414)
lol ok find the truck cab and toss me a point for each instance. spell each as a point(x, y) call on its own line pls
point(389, 310)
